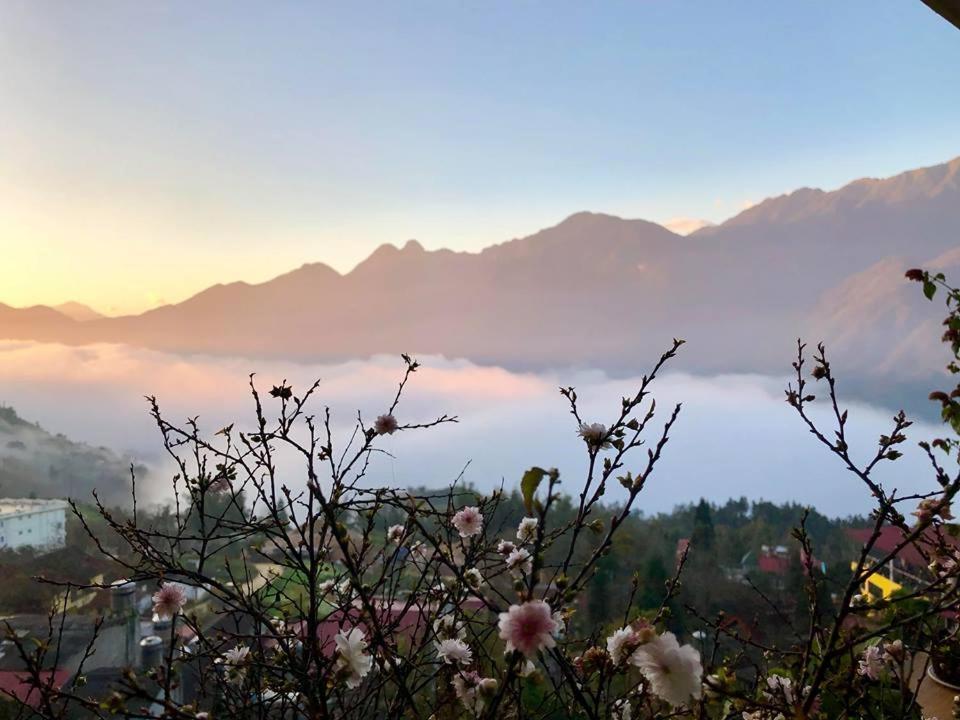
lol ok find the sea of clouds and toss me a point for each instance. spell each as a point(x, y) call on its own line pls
point(735, 436)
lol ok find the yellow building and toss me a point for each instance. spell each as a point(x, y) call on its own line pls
point(878, 586)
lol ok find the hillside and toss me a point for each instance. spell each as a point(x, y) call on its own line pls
point(37, 463)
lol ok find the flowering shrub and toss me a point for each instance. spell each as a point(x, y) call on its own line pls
point(343, 600)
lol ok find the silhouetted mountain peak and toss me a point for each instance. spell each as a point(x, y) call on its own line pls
point(78, 311)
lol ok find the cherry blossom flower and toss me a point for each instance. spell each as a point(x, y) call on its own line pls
point(674, 672)
point(473, 578)
point(351, 656)
point(447, 626)
point(236, 656)
point(528, 628)
point(385, 424)
point(872, 662)
point(468, 522)
point(519, 562)
point(594, 435)
point(488, 685)
point(454, 651)
point(473, 690)
point(621, 644)
point(169, 600)
point(527, 669)
point(505, 547)
point(621, 709)
point(527, 530)
point(395, 533)
point(895, 650)
point(561, 623)
point(930, 508)
point(465, 686)
point(781, 686)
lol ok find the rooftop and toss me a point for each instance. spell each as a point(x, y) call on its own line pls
point(19, 506)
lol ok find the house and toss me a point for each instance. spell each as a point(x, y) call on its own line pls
point(774, 560)
point(29, 523)
point(18, 687)
point(898, 564)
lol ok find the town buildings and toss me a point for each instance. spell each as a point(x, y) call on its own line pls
point(37, 524)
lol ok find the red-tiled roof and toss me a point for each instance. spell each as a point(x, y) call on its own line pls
point(399, 619)
point(888, 540)
point(776, 564)
point(18, 684)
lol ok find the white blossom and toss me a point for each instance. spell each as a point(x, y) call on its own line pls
point(395, 533)
point(473, 578)
point(674, 672)
point(594, 435)
point(454, 651)
point(527, 530)
point(621, 644)
point(621, 709)
point(351, 656)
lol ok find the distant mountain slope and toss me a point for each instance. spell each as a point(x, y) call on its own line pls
point(36, 323)
point(593, 290)
point(36, 463)
point(932, 186)
point(77, 311)
point(882, 325)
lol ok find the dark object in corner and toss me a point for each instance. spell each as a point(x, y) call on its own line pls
point(947, 9)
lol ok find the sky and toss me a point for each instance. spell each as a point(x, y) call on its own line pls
point(150, 150)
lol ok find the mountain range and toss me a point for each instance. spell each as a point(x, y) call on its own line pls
point(601, 291)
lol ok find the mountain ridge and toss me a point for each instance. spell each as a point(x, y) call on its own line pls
point(594, 290)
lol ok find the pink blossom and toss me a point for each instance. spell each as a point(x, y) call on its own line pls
point(169, 600)
point(871, 664)
point(473, 690)
point(528, 628)
point(468, 522)
point(519, 562)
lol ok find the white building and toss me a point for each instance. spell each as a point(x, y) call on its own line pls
point(40, 524)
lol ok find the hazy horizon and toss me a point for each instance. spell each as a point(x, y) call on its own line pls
point(734, 427)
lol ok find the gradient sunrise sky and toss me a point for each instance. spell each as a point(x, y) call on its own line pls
point(150, 150)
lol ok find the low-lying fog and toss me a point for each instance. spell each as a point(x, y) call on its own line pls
point(735, 436)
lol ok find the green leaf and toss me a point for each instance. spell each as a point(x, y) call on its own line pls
point(929, 289)
point(528, 486)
